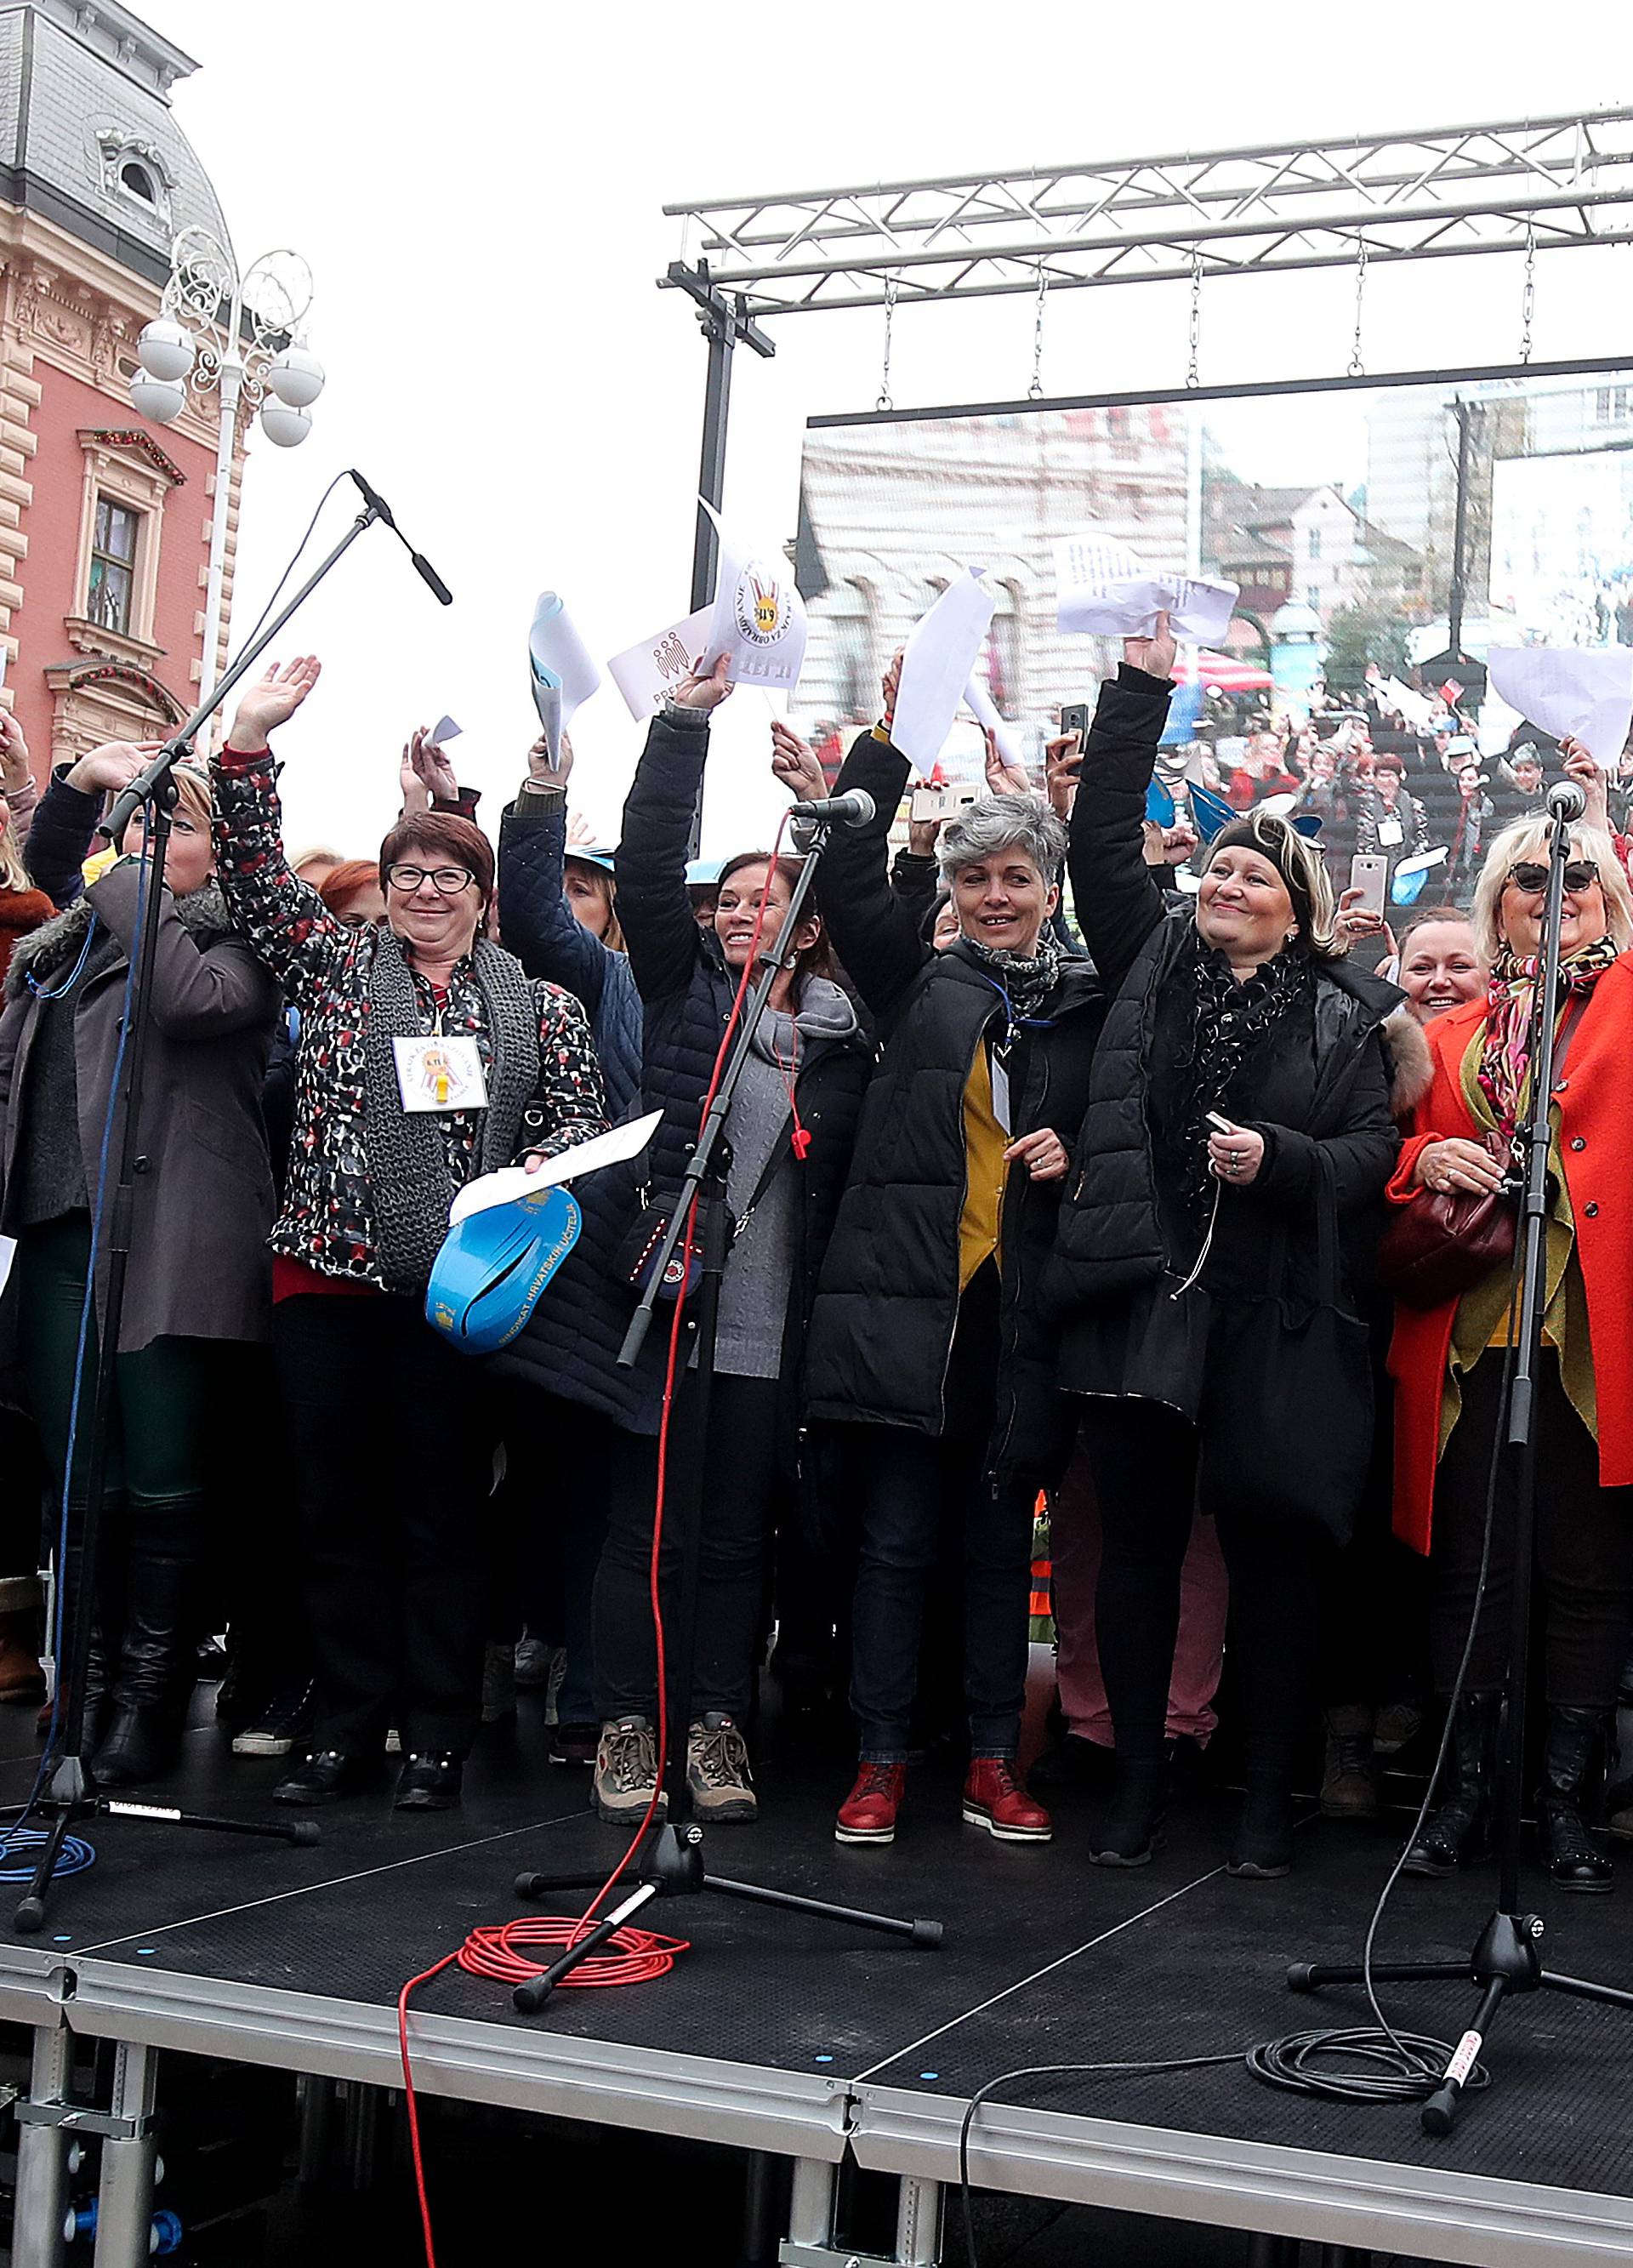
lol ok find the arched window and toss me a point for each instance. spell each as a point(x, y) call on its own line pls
point(139, 181)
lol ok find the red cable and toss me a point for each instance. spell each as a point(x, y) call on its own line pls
point(642, 1955)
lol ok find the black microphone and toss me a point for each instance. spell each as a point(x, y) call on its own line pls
point(853, 809)
point(1566, 800)
point(382, 511)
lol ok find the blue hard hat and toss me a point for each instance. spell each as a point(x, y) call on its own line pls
point(593, 854)
point(494, 1265)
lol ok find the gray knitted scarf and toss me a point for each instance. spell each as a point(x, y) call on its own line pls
point(409, 1184)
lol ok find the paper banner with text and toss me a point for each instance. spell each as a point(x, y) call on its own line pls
point(647, 673)
point(758, 619)
point(937, 665)
point(563, 674)
point(1102, 590)
point(1576, 693)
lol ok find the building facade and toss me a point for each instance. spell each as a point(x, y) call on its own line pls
point(104, 528)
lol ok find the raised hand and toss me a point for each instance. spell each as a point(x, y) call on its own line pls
point(105, 770)
point(795, 764)
point(273, 700)
point(1154, 654)
point(697, 692)
point(1003, 777)
point(541, 767)
point(889, 686)
point(1062, 766)
point(1581, 767)
point(13, 752)
point(425, 773)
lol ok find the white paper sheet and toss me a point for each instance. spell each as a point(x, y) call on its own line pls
point(8, 1247)
point(1421, 863)
point(1102, 590)
point(1413, 709)
point(563, 674)
point(937, 665)
point(444, 731)
point(513, 1182)
point(1579, 693)
point(758, 620)
point(644, 674)
point(977, 699)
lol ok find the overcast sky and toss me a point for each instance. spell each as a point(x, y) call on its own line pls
point(478, 191)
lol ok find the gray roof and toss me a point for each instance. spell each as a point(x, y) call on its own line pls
point(84, 90)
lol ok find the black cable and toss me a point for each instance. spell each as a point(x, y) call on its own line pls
point(295, 557)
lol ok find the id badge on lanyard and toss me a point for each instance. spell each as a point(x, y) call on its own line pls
point(435, 1072)
point(1000, 1088)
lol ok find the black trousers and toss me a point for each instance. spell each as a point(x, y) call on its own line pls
point(1145, 1459)
point(740, 1468)
point(392, 1437)
point(1583, 1547)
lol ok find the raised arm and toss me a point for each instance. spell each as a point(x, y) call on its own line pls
point(65, 822)
point(874, 929)
point(654, 910)
point(289, 929)
point(1114, 893)
point(535, 921)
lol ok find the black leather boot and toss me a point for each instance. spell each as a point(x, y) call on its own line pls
point(1571, 1764)
point(1459, 1833)
point(1131, 1831)
point(1261, 1848)
point(156, 1661)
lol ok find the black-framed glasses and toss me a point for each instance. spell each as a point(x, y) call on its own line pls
point(447, 881)
point(1530, 875)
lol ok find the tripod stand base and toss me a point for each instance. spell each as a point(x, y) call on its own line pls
point(1507, 1960)
point(671, 1865)
point(63, 1811)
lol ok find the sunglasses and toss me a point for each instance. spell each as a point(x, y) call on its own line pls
point(1580, 875)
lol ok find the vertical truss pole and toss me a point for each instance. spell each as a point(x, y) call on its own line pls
point(725, 323)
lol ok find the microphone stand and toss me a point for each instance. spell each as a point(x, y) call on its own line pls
point(71, 1795)
point(1507, 1957)
point(670, 1862)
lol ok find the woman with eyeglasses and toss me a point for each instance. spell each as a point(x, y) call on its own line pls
point(197, 1274)
point(426, 1058)
point(1449, 1362)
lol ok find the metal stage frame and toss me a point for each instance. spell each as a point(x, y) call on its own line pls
point(120, 1990)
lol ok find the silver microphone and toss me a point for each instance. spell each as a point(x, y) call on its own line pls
point(854, 808)
point(1566, 800)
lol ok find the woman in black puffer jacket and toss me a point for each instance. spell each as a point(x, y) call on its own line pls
point(1240, 1089)
point(789, 1132)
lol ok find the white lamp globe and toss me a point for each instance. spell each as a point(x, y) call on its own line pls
point(165, 350)
point(159, 400)
point(296, 376)
point(282, 423)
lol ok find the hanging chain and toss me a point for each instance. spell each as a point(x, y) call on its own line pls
point(1034, 392)
point(884, 401)
point(1357, 364)
point(1528, 297)
point(1193, 376)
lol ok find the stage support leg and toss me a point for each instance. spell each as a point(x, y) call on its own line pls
point(42, 2155)
point(363, 2126)
point(1344, 2256)
point(918, 2222)
point(317, 2127)
point(810, 2208)
point(1267, 2251)
point(760, 2170)
point(125, 2195)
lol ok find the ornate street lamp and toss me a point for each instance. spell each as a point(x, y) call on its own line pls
point(238, 337)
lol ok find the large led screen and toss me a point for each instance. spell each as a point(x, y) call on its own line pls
point(1382, 538)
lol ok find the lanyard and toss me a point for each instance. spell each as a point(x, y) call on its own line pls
point(57, 992)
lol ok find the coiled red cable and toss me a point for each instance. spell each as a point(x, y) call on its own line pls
point(642, 1955)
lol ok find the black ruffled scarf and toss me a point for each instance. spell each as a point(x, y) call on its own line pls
point(1227, 1021)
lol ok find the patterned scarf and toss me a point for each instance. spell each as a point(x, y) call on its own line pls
point(1027, 982)
point(1505, 1073)
point(1230, 1019)
point(410, 1183)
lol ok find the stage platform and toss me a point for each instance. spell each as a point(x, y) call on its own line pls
point(789, 2036)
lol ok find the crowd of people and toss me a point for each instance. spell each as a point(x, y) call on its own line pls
point(1048, 1178)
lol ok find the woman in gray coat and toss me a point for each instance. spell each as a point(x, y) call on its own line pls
point(198, 1268)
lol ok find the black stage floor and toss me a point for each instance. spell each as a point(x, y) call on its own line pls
point(281, 1955)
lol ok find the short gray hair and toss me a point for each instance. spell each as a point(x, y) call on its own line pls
point(1003, 822)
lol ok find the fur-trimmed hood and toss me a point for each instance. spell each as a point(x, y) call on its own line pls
point(203, 913)
point(1411, 1065)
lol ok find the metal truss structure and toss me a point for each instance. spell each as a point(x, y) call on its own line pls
point(1525, 185)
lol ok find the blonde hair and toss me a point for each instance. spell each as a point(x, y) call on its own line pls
point(14, 875)
point(1532, 838)
point(192, 793)
point(1302, 868)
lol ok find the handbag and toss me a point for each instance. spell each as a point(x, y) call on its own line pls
point(638, 1248)
point(1445, 1242)
point(1295, 1442)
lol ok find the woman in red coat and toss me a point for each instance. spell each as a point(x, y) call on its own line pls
point(1448, 1361)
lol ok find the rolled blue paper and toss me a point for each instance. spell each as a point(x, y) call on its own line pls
point(1158, 805)
point(493, 1266)
point(1406, 889)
